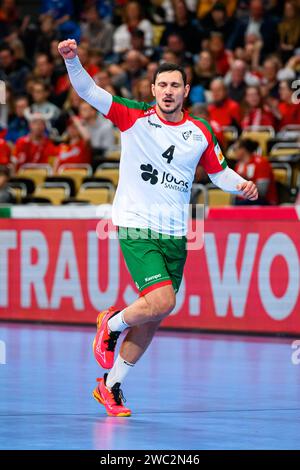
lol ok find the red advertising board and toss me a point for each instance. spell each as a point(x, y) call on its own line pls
point(245, 278)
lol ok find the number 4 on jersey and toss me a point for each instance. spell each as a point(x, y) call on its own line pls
point(168, 154)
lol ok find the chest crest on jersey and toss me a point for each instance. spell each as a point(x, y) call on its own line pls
point(186, 134)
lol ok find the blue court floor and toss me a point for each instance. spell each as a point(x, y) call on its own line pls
point(189, 391)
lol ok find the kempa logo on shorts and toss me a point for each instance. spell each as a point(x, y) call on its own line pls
point(170, 182)
point(151, 278)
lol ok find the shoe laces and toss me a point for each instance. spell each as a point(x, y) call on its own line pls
point(112, 340)
point(118, 394)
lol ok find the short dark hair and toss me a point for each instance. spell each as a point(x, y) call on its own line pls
point(168, 67)
point(248, 144)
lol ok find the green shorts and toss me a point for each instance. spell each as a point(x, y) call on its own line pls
point(153, 259)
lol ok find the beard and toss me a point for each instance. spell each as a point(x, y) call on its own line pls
point(169, 111)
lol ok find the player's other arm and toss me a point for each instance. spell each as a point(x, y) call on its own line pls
point(230, 181)
point(214, 163)
point(81, 80)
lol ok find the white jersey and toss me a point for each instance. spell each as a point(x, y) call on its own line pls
point(158, 159)
point(157, 166)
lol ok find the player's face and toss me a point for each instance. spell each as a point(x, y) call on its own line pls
point(169, 91)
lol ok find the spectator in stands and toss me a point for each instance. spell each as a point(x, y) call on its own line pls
point(257, 23)
point(256, 112)
point(5, 152)
point(257, 169)
point(221, 56)
point(218, 21)
point(84, 56)
point(185, 27)
point(34, 147)
point(176, 44)
point(289, 30)
point(223, 110)
point(237, 80)
point(44, 71)
point(205, 69)
point(76, 149)
point(100, 131)
point(9, 17)
point(47, 33)
point(133, 18)
point(142, 91)
point(138, 44)
point(150, 70)
point(104, 80)
point(97, 32)
point(40, 103)
point(132, 70)
point(12, 70)
point(270, 70)
point(6, 195)
point(170, 56)
point(197, 92)
point(289, 110)
point(18, 125)
point(250, 53)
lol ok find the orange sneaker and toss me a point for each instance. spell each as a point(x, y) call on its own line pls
point(112, 398)
point(105, 341)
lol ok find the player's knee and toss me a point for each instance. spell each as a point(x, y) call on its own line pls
point(163, 306)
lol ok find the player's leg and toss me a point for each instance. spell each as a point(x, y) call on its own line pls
point(152, 307)
point(156, 303)
point(137, 340)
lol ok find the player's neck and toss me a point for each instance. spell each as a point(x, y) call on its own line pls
point(177, 116)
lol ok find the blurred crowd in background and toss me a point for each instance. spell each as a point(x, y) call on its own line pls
point(242, 60)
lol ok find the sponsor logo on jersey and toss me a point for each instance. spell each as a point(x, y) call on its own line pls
point(186, 134)
point(153, 123)
point(149, 174)
point(197, 137)
point(149, 111)
point(167, 179)
point(219, 153)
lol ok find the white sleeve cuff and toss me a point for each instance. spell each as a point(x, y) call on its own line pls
point(227, 180)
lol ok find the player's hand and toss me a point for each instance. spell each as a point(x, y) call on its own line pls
point(249, 190)
point(68, 48)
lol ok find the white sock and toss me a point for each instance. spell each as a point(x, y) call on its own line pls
point(118, 372)
point(117, 322)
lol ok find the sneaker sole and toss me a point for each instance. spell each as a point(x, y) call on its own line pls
point(98, 398)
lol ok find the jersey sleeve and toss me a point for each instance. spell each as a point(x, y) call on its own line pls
point(212, 160)
point(123, 112)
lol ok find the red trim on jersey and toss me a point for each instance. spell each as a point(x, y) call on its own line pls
point(209, 159)
point(170, 123)
point(155, 286)
point(203, 128)
point(124, 117)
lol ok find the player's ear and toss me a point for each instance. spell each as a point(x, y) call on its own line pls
point(153, 89)
point(186, 90)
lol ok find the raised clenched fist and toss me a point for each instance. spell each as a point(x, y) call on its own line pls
point(68, 48)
